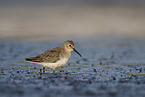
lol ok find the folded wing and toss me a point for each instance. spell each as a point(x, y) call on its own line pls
point(49, 56)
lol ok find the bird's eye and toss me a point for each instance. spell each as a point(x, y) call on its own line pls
point(70, 45)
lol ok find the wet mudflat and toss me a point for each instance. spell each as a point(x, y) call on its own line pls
point(109, 67)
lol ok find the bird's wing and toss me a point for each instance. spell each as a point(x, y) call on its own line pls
point(49, 56)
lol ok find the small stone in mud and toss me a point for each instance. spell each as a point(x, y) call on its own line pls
point(34, 67)
point(18, 71)
point(95, 70)
point(113, 78)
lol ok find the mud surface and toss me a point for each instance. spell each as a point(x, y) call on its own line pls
point(110, 67)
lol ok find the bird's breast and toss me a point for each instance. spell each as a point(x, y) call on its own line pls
point(62, 61)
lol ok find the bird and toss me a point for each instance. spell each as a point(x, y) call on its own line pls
point(55, 57)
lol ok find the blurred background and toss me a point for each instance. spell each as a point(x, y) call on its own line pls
point(64, 19)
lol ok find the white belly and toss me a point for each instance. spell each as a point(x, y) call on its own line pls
point(59, 63)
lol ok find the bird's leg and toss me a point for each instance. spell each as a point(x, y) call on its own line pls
point(40, 71)
point(43, 69)
point(54, 71)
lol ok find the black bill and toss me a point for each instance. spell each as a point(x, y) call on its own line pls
point(77, 52)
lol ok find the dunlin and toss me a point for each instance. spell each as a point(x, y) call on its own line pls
point(55, 57)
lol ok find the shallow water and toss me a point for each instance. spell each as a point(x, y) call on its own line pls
point(109, 67)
